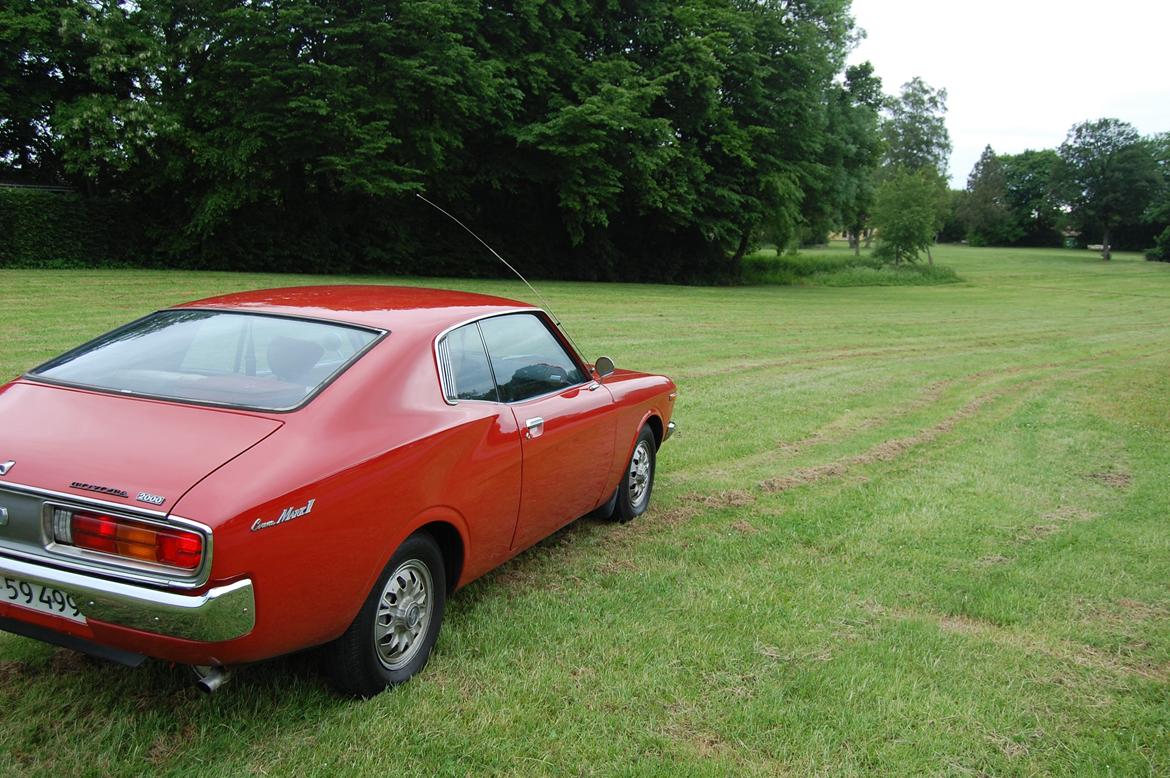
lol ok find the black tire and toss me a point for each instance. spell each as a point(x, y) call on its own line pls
point(354, 662)
point(630, 503)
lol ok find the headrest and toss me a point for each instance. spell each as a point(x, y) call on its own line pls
point(291, 359)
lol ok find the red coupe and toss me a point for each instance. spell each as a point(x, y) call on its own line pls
point(250, 475)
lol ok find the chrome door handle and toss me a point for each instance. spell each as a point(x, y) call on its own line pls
point(534, 427)
point(593, 387)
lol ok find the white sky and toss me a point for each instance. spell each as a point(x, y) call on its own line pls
point(1019, 74)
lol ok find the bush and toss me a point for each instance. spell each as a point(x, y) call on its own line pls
point(1161, 250)
point(49, 228)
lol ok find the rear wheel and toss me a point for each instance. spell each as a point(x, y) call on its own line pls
point(392, 636)
point(637, 483)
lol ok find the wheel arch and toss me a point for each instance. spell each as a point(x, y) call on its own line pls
point(654, 422)
point(450, 542)
point(447, 528)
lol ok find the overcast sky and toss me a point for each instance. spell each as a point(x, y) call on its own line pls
point(1019, 74)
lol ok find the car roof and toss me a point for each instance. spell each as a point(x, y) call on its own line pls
point(371, 305)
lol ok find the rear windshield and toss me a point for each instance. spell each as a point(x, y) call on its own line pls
point(247, 360)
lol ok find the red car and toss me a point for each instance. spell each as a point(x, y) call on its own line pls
point(250, 475)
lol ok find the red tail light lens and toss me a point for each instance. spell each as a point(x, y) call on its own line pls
point(97, 533)
point(181, 549)
point(122, 537)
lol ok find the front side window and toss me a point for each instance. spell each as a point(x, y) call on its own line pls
point(526, 358)
point(255, 361)
point(466, 374)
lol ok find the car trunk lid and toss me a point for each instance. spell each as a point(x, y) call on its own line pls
point(143, 454)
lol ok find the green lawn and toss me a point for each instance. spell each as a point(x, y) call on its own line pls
point(901, 530)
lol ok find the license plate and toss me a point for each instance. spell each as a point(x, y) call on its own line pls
point(25, 594)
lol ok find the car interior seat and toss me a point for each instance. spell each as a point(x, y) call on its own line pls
point(291, 359)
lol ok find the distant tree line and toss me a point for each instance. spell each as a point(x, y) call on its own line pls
point(657, 139)
point(1106, 185)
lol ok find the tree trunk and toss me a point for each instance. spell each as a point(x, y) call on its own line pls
point(868, 237)
point(929, 256)
point(737, 258)
point(855, 242)
point(1106, 250)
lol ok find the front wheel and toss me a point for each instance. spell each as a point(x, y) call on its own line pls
point(392, 636)
point(633, 496)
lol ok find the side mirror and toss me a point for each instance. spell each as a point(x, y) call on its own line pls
point(603, 366)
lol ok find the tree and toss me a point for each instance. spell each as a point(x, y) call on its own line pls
point(1107, 175)
point(917, 142)
point(905, 214)
point(636, 140)
point(953, 229)
point(42, 66)
point(854, 149)
point(915, 128)
point(1158, 212)
point(1028, 179)
point(985, 210)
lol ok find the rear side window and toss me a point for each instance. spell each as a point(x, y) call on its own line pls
point(527, 359)
point(466, 374)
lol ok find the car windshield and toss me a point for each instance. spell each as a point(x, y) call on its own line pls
point(247, 360)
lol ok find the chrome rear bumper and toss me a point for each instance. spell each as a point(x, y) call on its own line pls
point(221, 613)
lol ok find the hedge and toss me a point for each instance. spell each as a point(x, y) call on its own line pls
point(52, 228)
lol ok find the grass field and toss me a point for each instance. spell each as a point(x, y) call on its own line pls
point(901, 530)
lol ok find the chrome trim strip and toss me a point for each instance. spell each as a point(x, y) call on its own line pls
point(446, 379)
point(222, 613)
point(275, 314)
point(669, 431)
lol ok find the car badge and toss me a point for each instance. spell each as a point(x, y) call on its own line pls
point(6, 466)
point(100, 489)
point(150, 499)
point(288, 514)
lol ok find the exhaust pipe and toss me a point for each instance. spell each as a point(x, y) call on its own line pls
point(208, 678)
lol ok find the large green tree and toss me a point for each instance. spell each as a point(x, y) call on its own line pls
point(1029, 183)
point(985, 210)
point(915, 128)
point(917, 148)
point(1107, 176)
point(637, 140)
point(1158, 213)
point(29, 85)
point(853, 151)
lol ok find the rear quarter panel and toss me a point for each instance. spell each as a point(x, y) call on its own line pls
point(381, 455)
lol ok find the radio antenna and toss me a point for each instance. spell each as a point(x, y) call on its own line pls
point(495, 254)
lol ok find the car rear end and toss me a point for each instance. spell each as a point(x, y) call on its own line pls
point(91, 557)
point(100, 445)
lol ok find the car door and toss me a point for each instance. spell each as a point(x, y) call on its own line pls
point(566, 423)
point(487, 486)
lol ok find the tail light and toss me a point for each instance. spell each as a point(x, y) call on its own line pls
point(136, 540)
